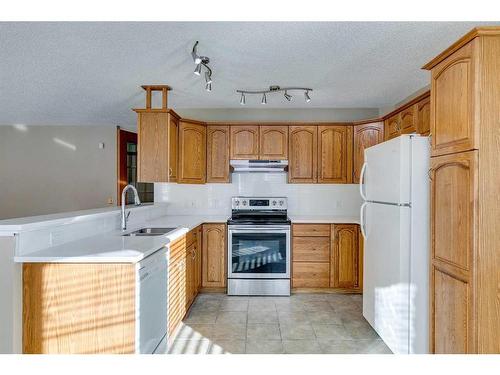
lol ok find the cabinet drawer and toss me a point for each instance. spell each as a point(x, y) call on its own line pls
point(311, 249)
point(321, 230)
point(310, 275)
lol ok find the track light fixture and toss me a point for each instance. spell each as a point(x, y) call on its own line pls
point(202, 62)
point(273, 89)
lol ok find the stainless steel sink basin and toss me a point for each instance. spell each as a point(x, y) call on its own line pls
point(150, 232)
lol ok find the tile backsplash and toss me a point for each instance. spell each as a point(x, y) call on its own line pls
point(303, 199)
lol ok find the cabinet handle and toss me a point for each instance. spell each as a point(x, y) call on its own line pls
point(169, 171)
point(429, 173)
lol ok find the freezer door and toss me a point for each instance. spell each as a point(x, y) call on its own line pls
point(387, 273)
point(387, 171)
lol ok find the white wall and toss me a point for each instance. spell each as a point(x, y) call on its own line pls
point(49, 169)
point(303, 199)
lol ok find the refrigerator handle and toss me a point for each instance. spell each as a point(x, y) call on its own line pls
point(361, 178)
point(362, 219)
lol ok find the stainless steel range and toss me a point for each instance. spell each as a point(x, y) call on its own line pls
point(259, 247)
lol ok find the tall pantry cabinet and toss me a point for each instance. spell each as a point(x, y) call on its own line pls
point(465, 199)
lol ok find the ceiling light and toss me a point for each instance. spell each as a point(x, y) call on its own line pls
point(208, 86)
point(287, 97)
point(264, 99)
point(306, 96)
point(242, 99)
point(208, 78)
point(197, 71)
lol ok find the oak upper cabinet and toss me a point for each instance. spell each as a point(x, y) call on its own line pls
point(365, 135)
point(392, 127)
point(335, 154)
point(345, 257)
point(244, 142)
point(157, 138)
point(302, 154)
point(192, 152)
point(218, 153)
point(214, 256)
point(423, 111)
point(453, 251)
point(453, 121)
point(408, 120)
point(273, 142)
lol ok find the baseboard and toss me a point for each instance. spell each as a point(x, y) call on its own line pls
point(213, 290)
point(327, 290)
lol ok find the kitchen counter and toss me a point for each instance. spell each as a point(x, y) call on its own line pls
point(323, 219)
point(112, 247)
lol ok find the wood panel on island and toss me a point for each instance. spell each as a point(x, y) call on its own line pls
point(465, 258)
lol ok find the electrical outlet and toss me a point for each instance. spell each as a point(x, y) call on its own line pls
point(110, 200)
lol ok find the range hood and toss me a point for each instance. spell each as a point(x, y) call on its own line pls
point(269, 166)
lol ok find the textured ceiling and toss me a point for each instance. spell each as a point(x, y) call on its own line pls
point(90, 73)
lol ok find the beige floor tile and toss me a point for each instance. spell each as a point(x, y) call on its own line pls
point(331, 331)
point(195, 331)
point(208, 305)
point(230, 331)
point(317, 306)
point(231, 317)
point(360, 329)
point(301, 347)
point(189, 347)
point(264, 347)
point(223, 346)
point(206, 317)
point(353, 347)
point(261, 305)
point(234, 305)
point(324, 317)
point(296, 331)
point(268, 317)
point(292, 317)
point(263, 332)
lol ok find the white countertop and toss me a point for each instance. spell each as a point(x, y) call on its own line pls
point(323, 219)
point(112, 247)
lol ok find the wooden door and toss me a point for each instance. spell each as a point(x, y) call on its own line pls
point(454, 194)
point(152, 147)
point(423, 109)
point(192, 153)
point(408, 120)
point(392, 127)
point(452, 103)
point(303, 153)
point(214, 256)
point(173, 146)
point(365, 135)
point(218, 153)
point(345, 257)
point(335, 154)
point(244, 142)
point(273, 142)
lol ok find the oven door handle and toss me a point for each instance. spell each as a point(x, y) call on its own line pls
point(261, 229)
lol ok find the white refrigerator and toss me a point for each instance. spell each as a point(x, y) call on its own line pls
point(394, 185)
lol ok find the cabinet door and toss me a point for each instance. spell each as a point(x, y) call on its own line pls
point(177, 286)
point(408, 120)
point(392, 127)
point(453, 248)
point(452, 103)
point(424, 116)
point(365, 135)
point(303, 141)
point(173, 142)
point(345, 254)
point(152, 141)
point(335, 154)
point(214, 256)
point(192, 153)
point(244, 142)
point(273, 142)
point(217, 153)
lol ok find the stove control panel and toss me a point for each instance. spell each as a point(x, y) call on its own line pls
point(259, 203)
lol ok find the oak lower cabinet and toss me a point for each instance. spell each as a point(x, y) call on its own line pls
point(273, 142)
point(218, 154)
point(365, 135)
point(303, 154)
point(465, 200)
point(157, 139)
point(244, 140)
point(327, 256)
point(335, 154)
point(192, 152)
point(214, 256)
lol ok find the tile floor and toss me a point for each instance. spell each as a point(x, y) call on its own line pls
point(300, 324)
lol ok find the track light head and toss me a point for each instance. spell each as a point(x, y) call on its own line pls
point(307, 97)
point(208, 78)
point(287, 96)
point(208, 86)
point(242, 99)
point(264, 99)
point(197, 70)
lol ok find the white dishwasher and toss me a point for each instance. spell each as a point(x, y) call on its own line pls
point(151, 303)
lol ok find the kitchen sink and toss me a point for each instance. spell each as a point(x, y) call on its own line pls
point(150, 232)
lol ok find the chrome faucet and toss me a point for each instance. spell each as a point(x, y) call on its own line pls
point(137, 202)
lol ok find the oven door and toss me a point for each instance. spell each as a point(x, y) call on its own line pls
point(259, 252)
